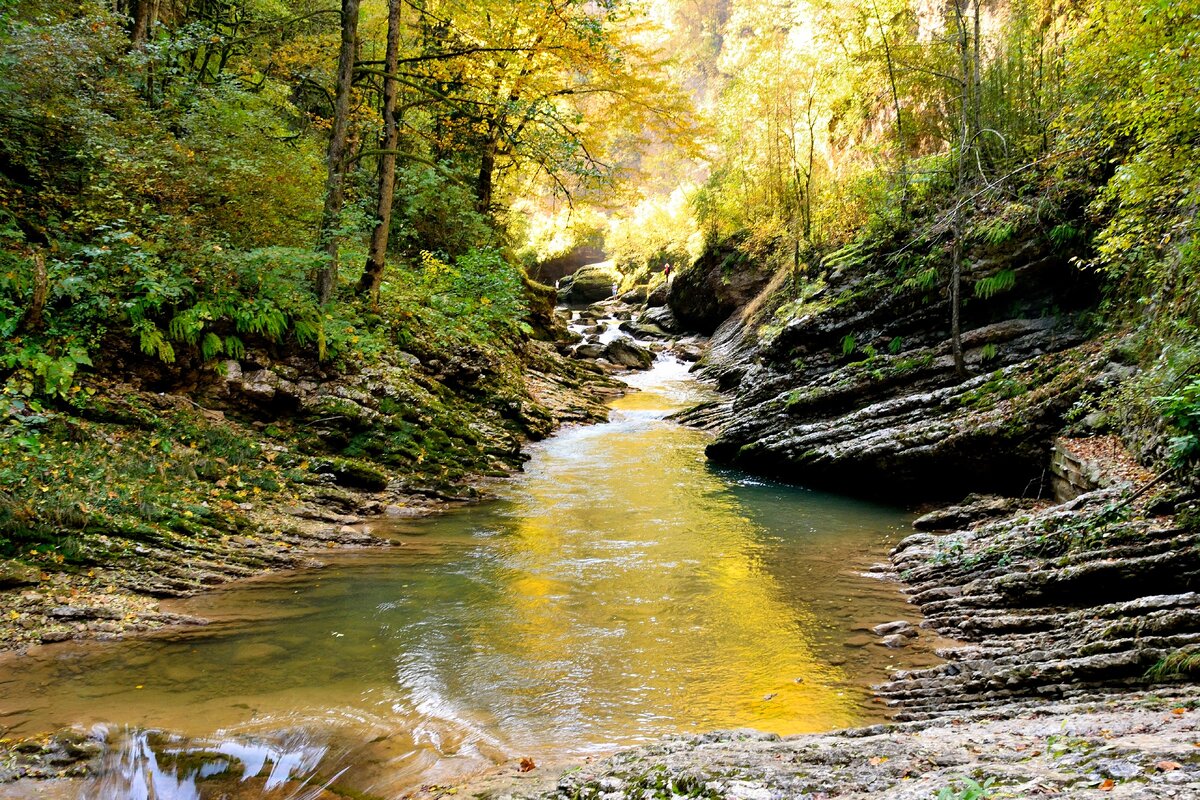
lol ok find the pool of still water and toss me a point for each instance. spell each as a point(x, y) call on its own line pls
point(621, 589)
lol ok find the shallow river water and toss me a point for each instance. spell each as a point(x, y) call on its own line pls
point(620, 589)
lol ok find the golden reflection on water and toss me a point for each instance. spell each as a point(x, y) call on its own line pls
point(621, 589)
point(656, 586)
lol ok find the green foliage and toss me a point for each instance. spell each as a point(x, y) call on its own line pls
point(993, 285)
point(998, 231)
point(849, 344)
point(967, 789)
point(1184, 663)
point(1130, 124)
point(478, 297)
point(922, 281)
point(31, 370)
point(999, 387)
point(1182, 412)
point(1064, 235)
point(79, 491)
point(435, 211)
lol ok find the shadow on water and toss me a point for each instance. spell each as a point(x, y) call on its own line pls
point(619, 590)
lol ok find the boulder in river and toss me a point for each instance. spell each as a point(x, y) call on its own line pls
point(661, 318)
point(657, 297)
point(629, 354)
point(591, 283)
point(641, 330)
point(589, 350)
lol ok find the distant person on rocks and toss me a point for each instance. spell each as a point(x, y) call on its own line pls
point(614, 291)
point(667, 272)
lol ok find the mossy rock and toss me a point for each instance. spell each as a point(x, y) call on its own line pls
point(593, 283)
point(14, 574)
point(352, 474)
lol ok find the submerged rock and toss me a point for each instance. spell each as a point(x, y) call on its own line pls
point(898, 628)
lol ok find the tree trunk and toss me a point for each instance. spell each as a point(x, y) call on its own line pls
point(487, 172)
point(960, 184)
point(901, 151)
point(34, 319)
point(144, 12)
point(335, 184)
point(372, 275)
point(960, 366)
point(977, 77)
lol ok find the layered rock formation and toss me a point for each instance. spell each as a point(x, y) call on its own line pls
point(1088, 594)
point(846, 379)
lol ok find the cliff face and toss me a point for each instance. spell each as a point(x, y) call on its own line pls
point(845, 378)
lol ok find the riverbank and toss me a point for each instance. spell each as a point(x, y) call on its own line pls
point(1136, 745)
point(144, 495)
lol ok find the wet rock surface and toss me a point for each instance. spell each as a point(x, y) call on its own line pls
point(589, 284)
point(973, 509)
point(913, 427)
point(721, 281)
point(118, 596)
point(63, 755)
point(1127, 746)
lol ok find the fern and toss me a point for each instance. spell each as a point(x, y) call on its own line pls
point(852, 255)
point(997, 232)
point(153, 342)
point(1062, 235)
point(211, 346)
point(848, 344)
point(988, 353)
point(923, 281)
point(895, 345)
point(993, 285)
point(234, 347)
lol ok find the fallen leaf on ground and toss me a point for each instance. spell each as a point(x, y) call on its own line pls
point(526, 765)
point(1107, 785)
point(1167, 766)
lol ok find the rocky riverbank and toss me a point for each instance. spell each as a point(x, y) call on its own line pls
point(1099, 746)
point(333, 510)
point(150, 495)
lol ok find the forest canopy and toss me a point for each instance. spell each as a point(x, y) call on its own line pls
point(189, 176)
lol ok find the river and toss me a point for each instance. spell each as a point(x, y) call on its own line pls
point(621, 588)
